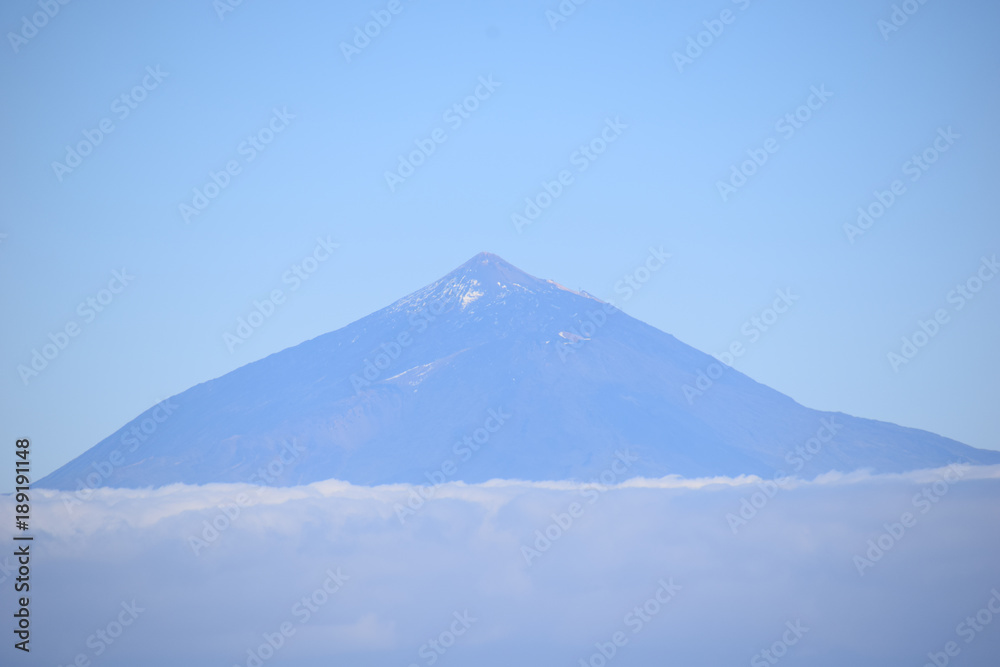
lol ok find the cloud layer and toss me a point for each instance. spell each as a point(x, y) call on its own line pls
point(856, 569)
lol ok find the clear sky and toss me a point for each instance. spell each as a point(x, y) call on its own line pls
point(309, 128)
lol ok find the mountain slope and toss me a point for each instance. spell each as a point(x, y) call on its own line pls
point(489, 373)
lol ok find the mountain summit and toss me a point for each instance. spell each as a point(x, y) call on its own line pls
point(490, 373)
point(486, 280)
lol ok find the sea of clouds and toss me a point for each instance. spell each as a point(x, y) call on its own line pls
point(853, 569)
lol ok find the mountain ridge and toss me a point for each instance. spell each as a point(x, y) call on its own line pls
point(388, 398)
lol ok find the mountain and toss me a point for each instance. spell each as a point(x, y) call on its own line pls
point(490, 373)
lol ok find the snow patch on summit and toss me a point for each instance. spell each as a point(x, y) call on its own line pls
point(572, 337)
point(471, 293)
point(416, 375)
point(586, 295)
point(469, 297)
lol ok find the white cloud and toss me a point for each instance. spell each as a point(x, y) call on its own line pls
point(462, 549)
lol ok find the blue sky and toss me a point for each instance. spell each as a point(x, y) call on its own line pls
point(344, 124)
